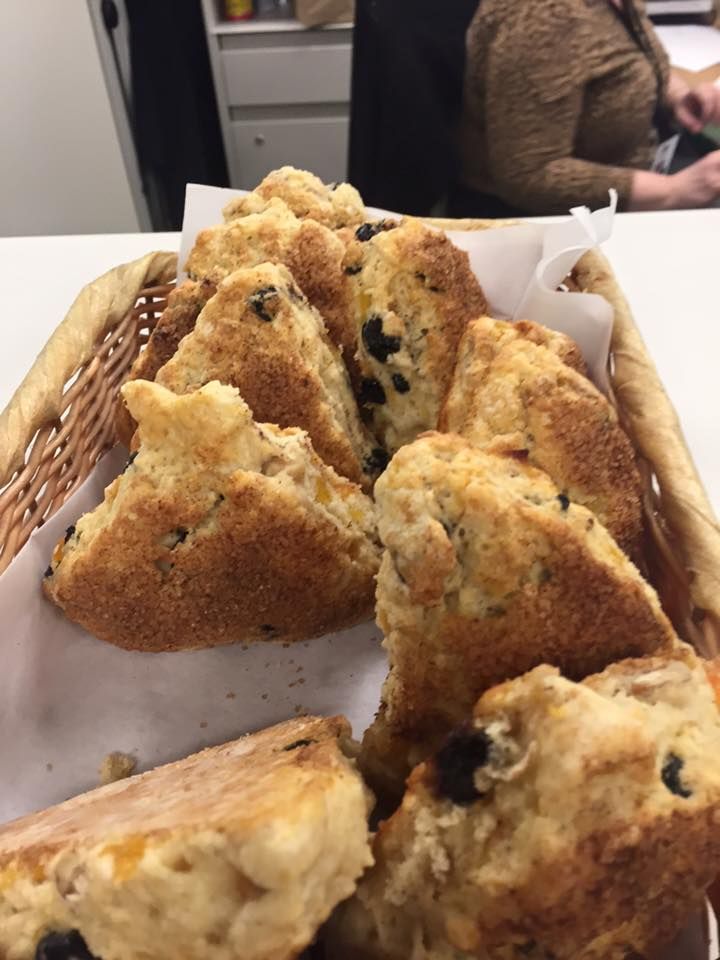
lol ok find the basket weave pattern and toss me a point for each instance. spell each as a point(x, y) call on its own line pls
point(61, 421)
point(63, 452)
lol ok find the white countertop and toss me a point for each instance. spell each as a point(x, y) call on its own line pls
point(667, 264)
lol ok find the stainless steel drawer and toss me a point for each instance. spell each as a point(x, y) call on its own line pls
point(319, 144)
point(280, 75)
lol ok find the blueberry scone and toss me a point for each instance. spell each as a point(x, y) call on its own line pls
point(177, 321)
point(259, 334)
point(510, 391)
point(220, 530)
point(337, 205)
point(578, 821)
point(414, 293)
point(489, 570)
point(310, 250)
point(236, 853)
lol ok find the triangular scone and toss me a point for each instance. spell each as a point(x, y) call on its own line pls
point(414, 293)
point(259, 334)
point(488, 571)
point(221, 530)
point(513, 393)
point(241, 850)
point(565, 820)
point(336, 205)
point(177, 320)
point(310, 250)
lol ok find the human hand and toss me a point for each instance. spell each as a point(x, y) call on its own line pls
point(697, 185)
point(699, 107)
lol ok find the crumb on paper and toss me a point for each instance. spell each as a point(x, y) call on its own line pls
point(203, 724)
point(49, 767)
point(230, 695)
point(264, 696)
point(116, 766)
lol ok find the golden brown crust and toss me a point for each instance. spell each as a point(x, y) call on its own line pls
point(337, 205)
point(414, 292)
point(312, 253)
point(260, 334)
point(578, 821)
point(561, 345)
point(318, 266)
point(488, 572)
point(515, 393)
point(221, 531)
point(177, 320)
point(256, 839)
point(252, 767)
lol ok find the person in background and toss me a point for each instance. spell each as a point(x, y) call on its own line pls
point(565, 99)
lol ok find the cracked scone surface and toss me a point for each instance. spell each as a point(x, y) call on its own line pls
point(310, 250)
point(336, 205)
point(260, 334)
point(508, 390)
point(487, 572)
point(220, 530)
point(414, 293)
point(239, 852)
point(177, 321)
point(573, 821)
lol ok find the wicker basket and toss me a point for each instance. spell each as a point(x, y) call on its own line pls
point(60, 422)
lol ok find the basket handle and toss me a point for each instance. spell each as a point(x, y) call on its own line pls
point(98, 306)
point(651, 420)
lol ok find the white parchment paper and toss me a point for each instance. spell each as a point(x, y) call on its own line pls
point(67, 699)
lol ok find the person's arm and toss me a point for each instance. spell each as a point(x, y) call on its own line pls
point(695, 186)
point(535, 85)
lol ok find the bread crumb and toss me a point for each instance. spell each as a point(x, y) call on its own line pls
point(116, 766)
point(230, 695)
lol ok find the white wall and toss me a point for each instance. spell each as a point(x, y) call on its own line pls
point(61, 170)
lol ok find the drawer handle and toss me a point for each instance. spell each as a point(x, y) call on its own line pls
point(259, 140)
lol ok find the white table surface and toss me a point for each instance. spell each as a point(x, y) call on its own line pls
point(667, 263)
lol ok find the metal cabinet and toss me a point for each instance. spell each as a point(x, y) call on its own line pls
point(283, 94)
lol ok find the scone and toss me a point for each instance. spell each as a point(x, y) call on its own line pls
point(337, 205)
point(310, 250)
point(177, 320)
point(236, 853)
point(572, 821)
point(259, 334)
point(488, 571)
point(220, 530)
point(509, 391)
point(558, 343)
point(414, 293)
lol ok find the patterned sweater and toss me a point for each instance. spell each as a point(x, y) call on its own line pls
point(559, 102)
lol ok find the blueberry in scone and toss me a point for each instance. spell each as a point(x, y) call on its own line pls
point(413, 294)
point(579, 821)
